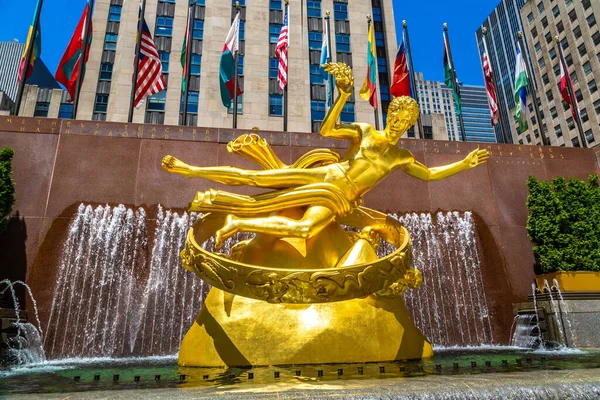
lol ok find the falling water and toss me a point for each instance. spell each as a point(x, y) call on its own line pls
point(557, 313)
point(450, 307)
point(537, 314)
point(26, 347)
point(564, 310)
point(110, 299)
point(525, 331)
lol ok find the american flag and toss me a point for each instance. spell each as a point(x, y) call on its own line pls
point(150, 78)
point(281, 53)
point(491, 90)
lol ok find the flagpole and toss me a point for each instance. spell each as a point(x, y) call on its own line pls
point(138, 45)
point(329, 80)
point(188, 62)
point(287, 79)
point(574, 103)
point(374, 108)
point(235, 74)
point(457, 86)
point(532, 89)
point(412, 77)
point(31, 44)
point(82, 59)
point(505, 131)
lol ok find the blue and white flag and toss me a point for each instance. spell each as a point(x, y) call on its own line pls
point(521, 83)
point(325, 58)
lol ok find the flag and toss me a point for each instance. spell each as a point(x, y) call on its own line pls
point(521, 82)
point(184, 48)
point(565, 85)
point(281, 52)
point(325, 58)
point(490, 89)
point(68, 68)
point(401, 79)
point(369, 88)
point(150, 79)
point(36, 38)
point(227, 64)
point(449, 79)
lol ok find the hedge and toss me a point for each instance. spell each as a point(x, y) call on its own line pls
point(7, 186)
point(564, 224)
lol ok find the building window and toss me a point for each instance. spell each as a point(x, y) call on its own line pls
point(553, 113)
point(157, 101)
point(540, 7)
point(572, 15)
point(65, 111)
point(587, 68)
point(342, 43)
point(581, 49)
point(340, 11)
point(274, 31)
point(274, 68)
point(114, 14)
point(549, 95)
point(560, 27)
point(584, 115)
point(193, 102)
point(317, 110)
point(575, 142)
point(555, 11)
point(106, 71)
point(570, 123)
point(593, 88)
point(558, 131)
point(275, 5)
point(537, 47)
point(198, 32)
point(534, 32)
point(544, 22)
point(41, 109)
point(101, 103)
point(164, 26)
point(542, 62)
point(196, 64)
point(552, 53)
point(591, 20)
point(586, 4)
point(347, 113)
point(577, 32)
point(276, 105)
point(530, 18)
point(589, 136)
point(164, 59)
point(314, 9)
point(110, 41)
point(545, 79)
point(315, 40)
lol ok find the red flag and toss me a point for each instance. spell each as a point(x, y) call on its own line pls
point(150, 78)
point(68, 68)
point(401, 79)
point(281, 51)
point(491, 90)
point(565, 85)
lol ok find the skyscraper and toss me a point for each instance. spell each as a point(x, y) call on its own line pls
point(107, 85)
point(437, 98)
point(476, 114)
point(502, 26)
point(576, 24)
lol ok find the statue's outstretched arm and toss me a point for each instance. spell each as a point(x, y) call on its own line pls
point(420, 171)
point(344, 82)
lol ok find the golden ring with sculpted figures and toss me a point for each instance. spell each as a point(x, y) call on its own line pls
point(388, 276)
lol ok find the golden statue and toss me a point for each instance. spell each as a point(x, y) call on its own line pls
point(301, 256)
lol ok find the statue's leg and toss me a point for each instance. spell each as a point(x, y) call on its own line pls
point(314, 220)
point(274, 178)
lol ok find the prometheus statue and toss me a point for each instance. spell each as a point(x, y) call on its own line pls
point(301, 256)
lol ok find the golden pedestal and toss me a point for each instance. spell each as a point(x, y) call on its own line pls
point(237, 331)
point(347, 311)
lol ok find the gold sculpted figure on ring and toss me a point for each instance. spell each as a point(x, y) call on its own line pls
point(327, 190)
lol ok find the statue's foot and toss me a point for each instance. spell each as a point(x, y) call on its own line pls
point(228, 230)
point(174, 165)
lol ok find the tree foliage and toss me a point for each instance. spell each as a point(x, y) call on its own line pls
point(564, 224)
point(7, 186)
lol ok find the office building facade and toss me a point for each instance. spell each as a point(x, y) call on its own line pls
point(476, 114)
point(106, 88)
point(436, 98)
point(502, 26)
point(577, 25)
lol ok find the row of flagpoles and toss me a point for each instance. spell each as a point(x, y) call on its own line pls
point(148, 79)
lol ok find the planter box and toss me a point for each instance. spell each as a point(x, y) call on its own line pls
point(576, 281)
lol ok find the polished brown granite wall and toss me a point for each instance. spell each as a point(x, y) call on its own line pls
point(60, 163)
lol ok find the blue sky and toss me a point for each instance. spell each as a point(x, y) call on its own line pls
point(425, 19)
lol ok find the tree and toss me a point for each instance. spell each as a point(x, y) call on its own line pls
point(7, 186)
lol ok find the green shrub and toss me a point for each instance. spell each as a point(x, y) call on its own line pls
point(7, 186)
point(564, 224)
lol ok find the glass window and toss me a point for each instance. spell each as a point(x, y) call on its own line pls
point(558, 131)
point(379, 39)
point(65, 111)
point(560, 27)
point(317, 110)
point(110, 41)
point(570, 123)
point(196, 64)
point(276, 105)
point(552, 53)
point(587, 68)
point(382, 65)
point(530, 18)
point(555, 11)
point(340, 11)
point(591, 20)
point(589, 136)
point(164, 26)
point(544, 22)
point(106, 72)
point(275, 4)
point(243, 30)
point(537, 47)
point(240, 65)
point(114, 14)
point(572, 15)
point(553, 113)
point(274, 31)
point(314, 9)
point(347, 114)
point(274, 68)
point(592, 86)
point(192, 102)
point(377, 14)
point(575, 142)
point(315, 40)
point(198, 31)
point(581, 49)
point(577, 32)
point(596, 38)
point(584, 115)
point(342, 42)
point(540, 6)
point(586, 4)
point(101, 103)
point(545, 79)
point(157, 101)
point(542, 63)
point(534, 32)
point(41, 109)
point(316, 74)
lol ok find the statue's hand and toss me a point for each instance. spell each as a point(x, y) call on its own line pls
point(175, 166)
point(475, 158)
point(342, 74)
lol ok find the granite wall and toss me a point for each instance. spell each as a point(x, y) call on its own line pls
point(60, 163)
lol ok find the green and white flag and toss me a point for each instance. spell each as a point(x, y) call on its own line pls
point(521, 83)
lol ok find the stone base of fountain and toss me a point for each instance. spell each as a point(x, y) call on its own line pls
point(238, 331)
